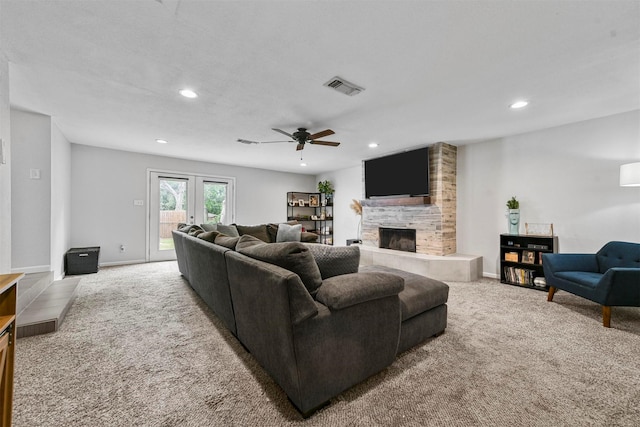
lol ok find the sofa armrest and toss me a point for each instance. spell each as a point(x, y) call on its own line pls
point(620, 286)
point(346, 290)
point(570, 262)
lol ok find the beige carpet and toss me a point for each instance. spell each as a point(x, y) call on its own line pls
point(138, 348)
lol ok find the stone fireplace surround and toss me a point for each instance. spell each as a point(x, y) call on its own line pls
point(433, 218)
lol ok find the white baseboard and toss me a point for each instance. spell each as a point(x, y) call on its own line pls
point(32, 269)
point(490, 275)
point(111, 264)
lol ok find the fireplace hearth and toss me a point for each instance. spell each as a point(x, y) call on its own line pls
point(399, 239)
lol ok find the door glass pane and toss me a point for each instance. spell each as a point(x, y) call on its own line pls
point(173, 210)
point(215, 199)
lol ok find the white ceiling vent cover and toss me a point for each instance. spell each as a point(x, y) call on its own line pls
point(343, 86)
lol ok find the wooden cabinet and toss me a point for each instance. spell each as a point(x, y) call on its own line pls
point(8, 294)
point(521, 259)
point(314, 211)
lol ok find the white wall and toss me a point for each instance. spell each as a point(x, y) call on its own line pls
point(30, 198)
point(348, 186)
point(60, 200)
point(566, 175)
point(5, 169)
point(104, 184)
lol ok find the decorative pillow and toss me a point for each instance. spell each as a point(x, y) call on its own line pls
point(209, 236)
point(209, 227)
point(228, 230)
point(259, 231)
point(272, 229)
point(289, 233)
point(186, 228)
point(335, 260)
point(226, 241)
point(294, 256)
point(308, 237)
point(246, 241)
point(195, 230)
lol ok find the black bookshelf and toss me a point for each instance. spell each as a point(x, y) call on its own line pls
point(521, 259)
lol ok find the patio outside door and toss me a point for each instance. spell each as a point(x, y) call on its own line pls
point(190, 199)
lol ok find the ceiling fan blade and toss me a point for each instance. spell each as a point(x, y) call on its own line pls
point(321, 134)
point(283, 132)
point(246, 141)
point(299, 147)
point(271, 142)
point(329, 143)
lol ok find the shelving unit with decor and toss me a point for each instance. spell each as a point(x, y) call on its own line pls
point(314, 211)
point(521, 258)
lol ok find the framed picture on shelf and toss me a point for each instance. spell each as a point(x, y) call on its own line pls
point(528, 257)
point(313, 201)
point(301, 202)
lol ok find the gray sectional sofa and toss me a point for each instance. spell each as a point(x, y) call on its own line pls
point(311, 318)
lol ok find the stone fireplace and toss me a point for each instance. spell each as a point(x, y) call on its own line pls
point(433, 218)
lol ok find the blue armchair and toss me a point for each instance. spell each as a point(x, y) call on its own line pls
point(610, 277)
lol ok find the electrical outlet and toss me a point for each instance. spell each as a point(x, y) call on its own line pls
point(138, 202)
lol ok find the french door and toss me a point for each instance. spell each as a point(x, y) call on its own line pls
point(176, 198)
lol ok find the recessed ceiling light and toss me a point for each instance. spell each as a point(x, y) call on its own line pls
point(188, 93)
point(373, 145)
point(519, 104)
point(161, 141)
point(303, 164)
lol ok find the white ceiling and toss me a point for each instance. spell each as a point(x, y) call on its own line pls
point(109, 72)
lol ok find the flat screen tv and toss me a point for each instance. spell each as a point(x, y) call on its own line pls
point(401, 174)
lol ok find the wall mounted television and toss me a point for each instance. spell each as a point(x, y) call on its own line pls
point(400, 174)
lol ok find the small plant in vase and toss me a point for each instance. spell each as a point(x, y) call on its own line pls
point(327, 188)
point(513, 213)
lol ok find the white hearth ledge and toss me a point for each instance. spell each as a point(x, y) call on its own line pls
point(454, 267)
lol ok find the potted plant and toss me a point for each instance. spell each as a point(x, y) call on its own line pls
point(513, 206)
point(327, 188)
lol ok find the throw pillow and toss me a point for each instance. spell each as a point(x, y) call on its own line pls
point(335, 260)
point(209, 227)
point(209, 236)
point(226, 241)
point(289, 233)
point(259, 231)
point(294, 256)
point(247, 241)
point(228, 230)
point(195, 230)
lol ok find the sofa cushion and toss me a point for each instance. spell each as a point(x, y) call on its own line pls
point(209, 236)
point(229, 230)
point(247, 241)
point(335, 260)
point(294, 256)
point(226, 241)
point(584, 278)
point(209, 227)
point(259, 231)
point(309, 237)
point(289, 233)
point(420, 293)
point(350, 289)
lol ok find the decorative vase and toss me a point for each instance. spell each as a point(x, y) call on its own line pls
point(514, 221)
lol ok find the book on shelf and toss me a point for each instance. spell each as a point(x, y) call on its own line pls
point(520, 276)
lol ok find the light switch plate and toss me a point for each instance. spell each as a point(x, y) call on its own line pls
point(138, 202)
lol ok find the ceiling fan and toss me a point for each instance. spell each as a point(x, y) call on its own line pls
point(301, 137)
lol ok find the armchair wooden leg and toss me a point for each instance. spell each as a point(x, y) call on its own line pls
point(606, 316)
point(552, 291)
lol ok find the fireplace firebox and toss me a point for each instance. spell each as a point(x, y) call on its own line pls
point(399, 239)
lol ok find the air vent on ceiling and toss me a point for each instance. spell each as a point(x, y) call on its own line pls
point(343, 86)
